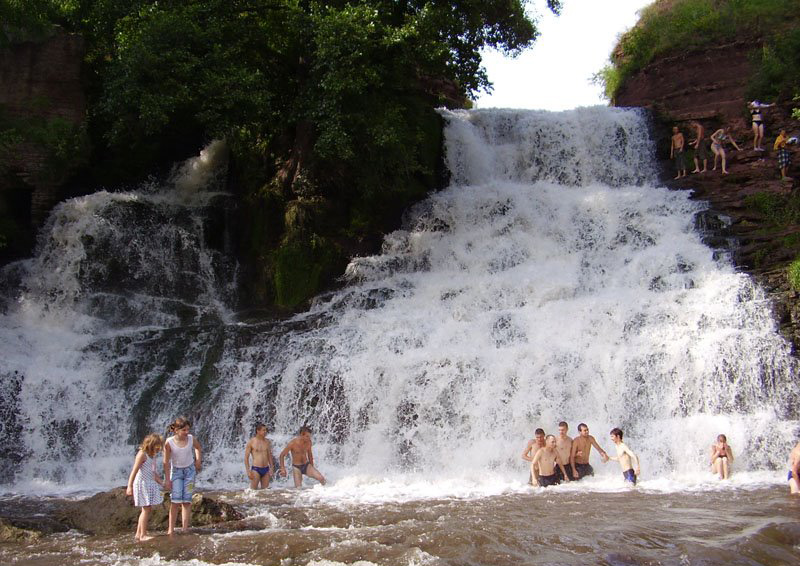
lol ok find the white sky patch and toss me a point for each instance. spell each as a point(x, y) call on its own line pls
point(555, 74)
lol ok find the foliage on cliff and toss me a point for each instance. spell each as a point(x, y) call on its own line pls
point(669, 26)
point(328, 107)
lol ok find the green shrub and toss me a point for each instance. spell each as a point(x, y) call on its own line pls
point(664, 27)
point(794, 274)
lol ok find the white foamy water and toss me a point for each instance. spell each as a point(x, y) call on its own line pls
point(552, 280)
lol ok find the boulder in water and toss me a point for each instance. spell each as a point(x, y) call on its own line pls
point(113, 512)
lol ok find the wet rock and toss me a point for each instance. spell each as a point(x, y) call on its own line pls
point(12, 533)
point(113, 512)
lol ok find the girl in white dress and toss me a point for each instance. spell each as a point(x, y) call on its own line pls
point(144, 482)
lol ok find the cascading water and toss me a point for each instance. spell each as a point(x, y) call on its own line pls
point(553, 279)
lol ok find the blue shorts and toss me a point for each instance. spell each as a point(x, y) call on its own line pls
point(182, 484)
point(260, 471)
point(629, 476)
point(790, 476)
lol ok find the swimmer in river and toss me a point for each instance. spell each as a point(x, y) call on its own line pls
point(794, 470)
point(543, 466)
point(721, 457)
point(581, 449)
point(625, 457)
point(302, 458)
point(564, 447)
point(262, 468)
point(533, 446)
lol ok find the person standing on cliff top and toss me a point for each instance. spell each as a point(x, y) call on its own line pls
point(718, 140)
point(676, 151)
point(784, 157)
point(700, 148)
point(758, 123)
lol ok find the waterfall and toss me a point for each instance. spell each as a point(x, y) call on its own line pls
point(553, 279)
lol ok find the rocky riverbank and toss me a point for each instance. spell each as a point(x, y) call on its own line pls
point(106, 513)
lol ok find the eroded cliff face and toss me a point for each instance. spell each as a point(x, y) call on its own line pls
point(703, 84)
point(709, 86)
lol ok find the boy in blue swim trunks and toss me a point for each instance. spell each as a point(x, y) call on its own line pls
point(260, 471)
point(625, 457)
point(794, 470)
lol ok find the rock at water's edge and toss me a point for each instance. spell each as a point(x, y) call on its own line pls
point(113, 512)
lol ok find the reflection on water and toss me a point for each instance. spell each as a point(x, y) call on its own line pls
point(722, 525)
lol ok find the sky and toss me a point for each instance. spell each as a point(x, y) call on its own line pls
point(555, 73)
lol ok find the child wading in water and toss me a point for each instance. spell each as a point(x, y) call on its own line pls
point(144, 482)
point(182, 459)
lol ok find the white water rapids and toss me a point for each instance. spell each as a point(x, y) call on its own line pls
point(552, 280)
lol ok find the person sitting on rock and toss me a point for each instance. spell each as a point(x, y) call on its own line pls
point(718, 140)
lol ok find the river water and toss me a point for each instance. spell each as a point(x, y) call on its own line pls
point(553, 279)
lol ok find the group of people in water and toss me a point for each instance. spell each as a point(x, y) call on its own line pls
point(720, 137)
point(556, 459)
point(183, 458)
point(553, 460)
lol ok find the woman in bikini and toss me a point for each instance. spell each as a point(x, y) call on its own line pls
point(718, 140)
point(758, 123)
point(721, 457)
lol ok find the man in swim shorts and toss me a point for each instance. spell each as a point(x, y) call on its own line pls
point(794, 470)
point(581, 449)
point(302, 458)
point(564, 448)
point(543, 466)
point(260, 471)
point(625, 457)
point(533, 446)
point(676, 151)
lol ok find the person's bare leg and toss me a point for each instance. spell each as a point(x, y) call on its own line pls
point(725, 471)
point(144, 518)
point(794, 487)
point(312, 472)
point(265, 481)
point(705, 166)
point(755, 136)
point(254, 479)
point(297, 477)
point(724, 169)
point(186, 515)
point(696, 165)
point(173, 515)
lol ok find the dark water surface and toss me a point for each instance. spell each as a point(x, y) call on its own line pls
point(736, 526)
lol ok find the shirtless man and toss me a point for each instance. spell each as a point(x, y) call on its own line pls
point(676, 150)
point(624, 457)
point(533, 446)
point(302, 458)
point(564, 447)
point(794, 470)
point(581, 449)
point(260, 471)
point(700, 144)
point(543, 466)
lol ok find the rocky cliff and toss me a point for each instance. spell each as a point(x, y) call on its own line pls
point(42, 114)
point(751, 209)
